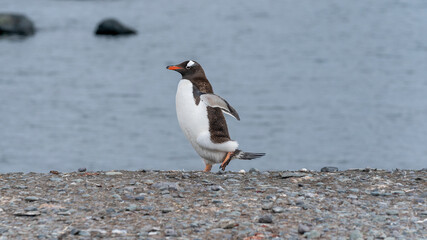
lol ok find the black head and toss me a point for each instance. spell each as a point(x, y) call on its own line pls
point(188, 69)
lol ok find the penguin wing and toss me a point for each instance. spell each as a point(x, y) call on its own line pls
point(216, 101)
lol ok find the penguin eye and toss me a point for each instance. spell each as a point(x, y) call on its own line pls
point(189, 64)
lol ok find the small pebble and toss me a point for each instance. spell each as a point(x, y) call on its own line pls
point(217, 201)
point(352, 196)
point(66, 213)
point(83, 233)
point(132, 207)
point(265, 219)
point(267, 206)
point(119, 231)
point(139, 198)
point(74, 231)
point(375, 193)
point(27, 214)
point(291, 175)
point(55, 179)
point(312, 234)
point(392, 212)
point(117, 197)
point(303, 228)
point(278, 210)
point(253, 170)
point(356, 235)
point(30, 209)
point(166, 210)
point(170, 233)
point(227, 224)
point(216, 188)
point(31, 198)
point(113, 173)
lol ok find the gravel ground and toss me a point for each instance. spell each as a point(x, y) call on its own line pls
point(352, 204)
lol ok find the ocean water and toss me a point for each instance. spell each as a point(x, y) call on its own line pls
point(316, 83)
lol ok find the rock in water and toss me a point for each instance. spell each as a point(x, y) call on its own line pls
point(113, 27)
point(15, 24)
point(329, 169)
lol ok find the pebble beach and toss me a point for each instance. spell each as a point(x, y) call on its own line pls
point(351, 204)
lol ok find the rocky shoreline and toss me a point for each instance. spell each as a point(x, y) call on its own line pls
point(351, 204)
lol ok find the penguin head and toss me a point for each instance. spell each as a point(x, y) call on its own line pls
point(187, 68)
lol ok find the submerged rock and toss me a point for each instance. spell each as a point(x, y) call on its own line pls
point(329, 169)
point(113, 27)
point(16, 24)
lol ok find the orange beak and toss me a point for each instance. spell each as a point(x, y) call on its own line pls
point(173, 67)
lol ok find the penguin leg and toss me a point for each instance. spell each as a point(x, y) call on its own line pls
point(208, 167)
point(226, 161)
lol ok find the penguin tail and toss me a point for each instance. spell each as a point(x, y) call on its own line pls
point(239, 154)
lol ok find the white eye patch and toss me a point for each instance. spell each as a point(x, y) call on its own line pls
point(190, 63)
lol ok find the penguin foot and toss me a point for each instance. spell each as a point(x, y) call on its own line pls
point(208, 168)
point(226, 161)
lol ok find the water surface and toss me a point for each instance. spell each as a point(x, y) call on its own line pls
point(316, 83)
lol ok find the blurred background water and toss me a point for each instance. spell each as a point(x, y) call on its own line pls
point(316, 83)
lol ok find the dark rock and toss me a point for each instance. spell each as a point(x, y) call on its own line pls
point(74, 231)
point(166, 210)
point(113, 27)
point(375, 193)
point(139, 198)
point(216, 201)
point(216, 188)
point(16, 24)
point(303, 228)
point(27, 214)
point(265, 219)
point(82, 169)
point(392, 212)
point(329, 169)
point(170, 233)
point(291, 175)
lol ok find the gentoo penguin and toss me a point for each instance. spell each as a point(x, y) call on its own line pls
point(200, 116)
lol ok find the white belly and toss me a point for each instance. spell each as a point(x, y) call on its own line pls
point(193, 120)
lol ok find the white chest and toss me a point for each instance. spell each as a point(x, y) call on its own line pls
point(192, 118)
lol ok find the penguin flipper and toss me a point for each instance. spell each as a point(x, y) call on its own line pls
point(216, 101)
